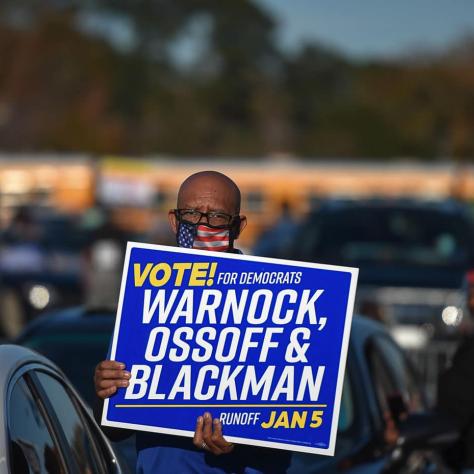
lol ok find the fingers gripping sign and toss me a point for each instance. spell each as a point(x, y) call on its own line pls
point(208, 436)
point(108, 377)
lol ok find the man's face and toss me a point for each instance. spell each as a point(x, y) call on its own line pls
point(206, 195)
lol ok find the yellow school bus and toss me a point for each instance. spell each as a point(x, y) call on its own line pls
point(267, 184)
point(65, 183)
point(141, 191)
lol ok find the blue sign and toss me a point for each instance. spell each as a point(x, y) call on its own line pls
point(260, 343)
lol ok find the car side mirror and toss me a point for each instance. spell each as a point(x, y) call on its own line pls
point(431, 430)
point(397, 407)
point(421, 431)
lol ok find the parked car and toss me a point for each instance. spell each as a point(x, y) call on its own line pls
point(412, 257)
point(40, 267)
point(77, 340)
point(50, 261)
point(381, 387)
point(44, 424)
point(379, 381)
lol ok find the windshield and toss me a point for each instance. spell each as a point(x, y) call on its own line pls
point(387, 236)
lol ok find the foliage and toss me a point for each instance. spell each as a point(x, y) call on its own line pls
point(67, 87)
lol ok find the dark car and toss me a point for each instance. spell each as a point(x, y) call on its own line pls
point(379, 380)
point(381, 387)
point(411, 255)
point(50, 261)
point(40, 267)
point(44, 425)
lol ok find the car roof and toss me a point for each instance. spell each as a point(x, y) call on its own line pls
point(363, 327)
point(13, 357)
point(447, 206)
point(71, 319)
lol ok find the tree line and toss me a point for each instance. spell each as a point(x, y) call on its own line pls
point(207, 78)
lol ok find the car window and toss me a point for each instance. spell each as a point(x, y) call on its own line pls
point(346, 413)
point(387, 236)
point(393, 376)
point(32, 447)
point(84, 449)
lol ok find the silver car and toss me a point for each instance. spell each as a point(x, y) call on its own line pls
point(45, 427)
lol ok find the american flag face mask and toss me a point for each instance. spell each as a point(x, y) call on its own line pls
point(203, 237)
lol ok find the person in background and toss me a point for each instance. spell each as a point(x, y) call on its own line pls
point(277, 240)
point(208, 205)
point(103, 258)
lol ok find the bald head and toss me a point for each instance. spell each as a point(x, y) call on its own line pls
point(209, 191)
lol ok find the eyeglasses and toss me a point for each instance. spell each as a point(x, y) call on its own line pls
point(192, 216)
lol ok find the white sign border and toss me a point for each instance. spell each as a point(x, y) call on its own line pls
point(329, 451)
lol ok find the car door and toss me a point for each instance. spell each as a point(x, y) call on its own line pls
point(394, 379)
point(399, 395)
point(351, 433)
point(50, 431)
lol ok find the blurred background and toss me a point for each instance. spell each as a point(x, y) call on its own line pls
point(348, 127)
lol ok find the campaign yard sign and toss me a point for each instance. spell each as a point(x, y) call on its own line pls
point(260, 343)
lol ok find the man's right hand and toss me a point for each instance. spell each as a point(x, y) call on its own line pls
point(110, 375)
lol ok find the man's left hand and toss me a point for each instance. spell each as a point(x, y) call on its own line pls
point(208, 436)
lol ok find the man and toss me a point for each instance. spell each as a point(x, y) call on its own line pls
point(456, 389)
point(207, 218)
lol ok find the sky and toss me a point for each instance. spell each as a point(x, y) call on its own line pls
point(367, 29)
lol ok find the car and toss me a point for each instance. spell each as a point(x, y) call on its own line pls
point(412, 256)
point(380, 387)
point(379, 381)
point(44, 424)
point(76, 339)
point(50, 261)
point(40, 267)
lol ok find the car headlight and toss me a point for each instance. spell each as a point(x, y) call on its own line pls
point(410, 337)
point(39, 296)
point(452, 316)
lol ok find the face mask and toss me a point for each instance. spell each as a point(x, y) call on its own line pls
point(203, 237)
